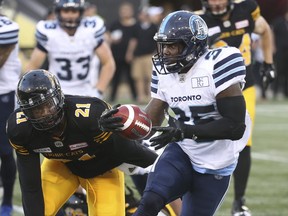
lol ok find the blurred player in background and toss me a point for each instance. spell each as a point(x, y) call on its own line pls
point(231, 23)
point(70, 42)
point(10, 69)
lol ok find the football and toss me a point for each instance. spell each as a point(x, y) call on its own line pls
point(137, 124)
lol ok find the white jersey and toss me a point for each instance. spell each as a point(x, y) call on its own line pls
point(70, 57)
point(10, 71)
point(192, 97)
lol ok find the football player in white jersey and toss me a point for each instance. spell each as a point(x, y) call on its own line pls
point(211, 126)
point(10, 69)
point(70, 42)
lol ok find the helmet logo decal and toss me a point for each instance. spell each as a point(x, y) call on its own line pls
point(181, 28)
point(198, 27)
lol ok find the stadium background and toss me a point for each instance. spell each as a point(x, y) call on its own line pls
point(28, 12)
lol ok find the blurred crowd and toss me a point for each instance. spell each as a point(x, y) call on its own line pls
point(131, 40)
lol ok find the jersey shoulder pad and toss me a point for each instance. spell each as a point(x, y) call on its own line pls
point(18, 130)
point(44, 28)
point(228, 68)
point(225, 52)
point(7, 24)
point(9, 31)
point(250, 6)
point(84, 111)
point(94, 24)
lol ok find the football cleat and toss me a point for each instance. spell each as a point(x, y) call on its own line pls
point(131, 202)
point(239, 209)
point(76, 205)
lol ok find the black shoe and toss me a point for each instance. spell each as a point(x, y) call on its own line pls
point(131, 203)
point(239, 208)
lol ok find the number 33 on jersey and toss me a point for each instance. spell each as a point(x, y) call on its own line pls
point(70, 56)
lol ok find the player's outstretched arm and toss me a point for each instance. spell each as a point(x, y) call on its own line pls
point(30, 183)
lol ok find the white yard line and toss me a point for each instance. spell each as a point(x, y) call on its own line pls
point(271, 108)
point(18, 209)
point(271, 127)
point(269, 157)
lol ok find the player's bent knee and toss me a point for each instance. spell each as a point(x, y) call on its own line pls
point(151, 202)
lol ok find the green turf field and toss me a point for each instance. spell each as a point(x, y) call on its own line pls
point(267, 192)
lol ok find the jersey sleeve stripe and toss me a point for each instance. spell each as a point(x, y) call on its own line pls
point(229, 60)
point(154, 82)
point(20, 149)
point(230, 76)
point(39, 46)
point(41, 37)
point(153, 89)
point(100, 32)
point(229, 68)
point(10, 37)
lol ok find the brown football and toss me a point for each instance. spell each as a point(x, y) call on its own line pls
point(137, 124)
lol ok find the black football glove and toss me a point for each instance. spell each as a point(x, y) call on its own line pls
point(268, 74)
point(172, 133)
point(109, 123)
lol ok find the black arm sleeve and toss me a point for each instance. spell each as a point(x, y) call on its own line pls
point(30, 183)
point(134, 153)
point(231, 126)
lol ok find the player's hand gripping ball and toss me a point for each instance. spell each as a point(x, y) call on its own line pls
point(137, 124)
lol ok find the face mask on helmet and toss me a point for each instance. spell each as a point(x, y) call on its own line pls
point(41, 99)
point(186, 30)
point(219, 9)
point(66, 6)
point(76, 205)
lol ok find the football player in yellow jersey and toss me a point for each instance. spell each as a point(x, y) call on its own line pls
point(231, 23)
point(70, 132)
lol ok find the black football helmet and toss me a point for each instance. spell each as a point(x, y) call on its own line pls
point(207, 8)
point(180, 27)
point(41, 99)
point(69, 4)
point(76, 205)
